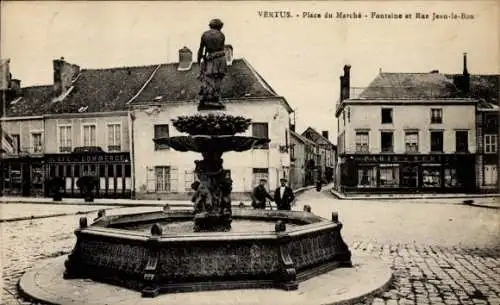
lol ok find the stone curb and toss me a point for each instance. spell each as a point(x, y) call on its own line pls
point(484, 206)
point(118, 202)
point(343, 286)
point(407, 196)
point(51, 215)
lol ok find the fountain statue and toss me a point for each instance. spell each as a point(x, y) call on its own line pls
point(213, 68)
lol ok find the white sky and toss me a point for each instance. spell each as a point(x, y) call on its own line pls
point(301, 59)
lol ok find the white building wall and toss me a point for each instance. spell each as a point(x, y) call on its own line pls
point(240, 163)
point(76, 122)
point(417, 117)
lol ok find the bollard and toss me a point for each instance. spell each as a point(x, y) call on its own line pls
point(335, 217)
point(156, 230)
point(280, 226)
point(83, 222)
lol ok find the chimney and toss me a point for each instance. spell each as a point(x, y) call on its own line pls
point(345, 83)
point(4, 74)
point(185, 59)
point(64, 74)
point(466, 75)
point(15, 85)
point(465, 72)
point(324, 133)
point(462, 82)
point(228, 49)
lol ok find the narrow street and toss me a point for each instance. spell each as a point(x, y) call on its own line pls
point(441, 253)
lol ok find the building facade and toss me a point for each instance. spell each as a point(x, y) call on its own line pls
point(406, 132)
point(77, 126)
point(327, 154)
point(303, 156)
point(161, 172)
point(486, 88)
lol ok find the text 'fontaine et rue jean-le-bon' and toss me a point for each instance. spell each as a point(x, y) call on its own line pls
point(369, 15)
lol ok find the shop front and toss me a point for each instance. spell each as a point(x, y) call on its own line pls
point(112, 170)
point(407, 173)
point(22, 176)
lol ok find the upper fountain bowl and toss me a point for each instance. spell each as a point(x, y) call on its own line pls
point(211, 124)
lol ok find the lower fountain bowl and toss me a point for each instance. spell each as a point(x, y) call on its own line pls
point(158, 252)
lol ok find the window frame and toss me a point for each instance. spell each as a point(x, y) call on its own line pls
point(165, 182)
point(407, 143)
point(436, 119)
point(442, 141)
point(114, 147)
point(157, 146)
point(390, 118)
point(493, 145)
point(361, 144)
point(262, 146)
point(466, 148)
point(68, 140)
point(381, 141)
point(32, 141)
point(84, 126)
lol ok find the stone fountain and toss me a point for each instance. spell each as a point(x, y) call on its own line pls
point(214, 245)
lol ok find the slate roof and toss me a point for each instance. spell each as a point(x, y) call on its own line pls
point(485, 87)
point(103, 90)
point(314, 135)
point(411, 86)
point(31, 102)
point(169, 84)
point(302, 138)
point(106, 90)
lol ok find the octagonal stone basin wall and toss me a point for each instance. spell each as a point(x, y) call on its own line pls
point(160, 262)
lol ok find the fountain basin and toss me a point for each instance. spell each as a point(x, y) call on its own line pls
point(205, 143)
point(117, 250)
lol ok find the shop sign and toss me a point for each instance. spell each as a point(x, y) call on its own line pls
point(401, 158)
point(89, 158)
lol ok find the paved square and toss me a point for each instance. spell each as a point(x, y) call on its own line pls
point(441, 251)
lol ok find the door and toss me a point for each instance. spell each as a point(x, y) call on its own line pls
point(490, 174)
point(26, 179)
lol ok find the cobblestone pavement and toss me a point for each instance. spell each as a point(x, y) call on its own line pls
point(440, 253)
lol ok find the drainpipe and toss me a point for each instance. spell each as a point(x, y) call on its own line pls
point(132, 153)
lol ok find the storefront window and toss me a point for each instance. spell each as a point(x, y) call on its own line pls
point(409, 176)
point(367, 176)
point(450, 178)
point(389, 175)
point(37, 175)
point(431, 177)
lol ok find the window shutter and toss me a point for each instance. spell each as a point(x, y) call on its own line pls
point(150, 180)
point(174, 179)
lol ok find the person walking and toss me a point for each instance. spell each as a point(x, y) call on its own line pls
point(283, 196)
point(259, 195)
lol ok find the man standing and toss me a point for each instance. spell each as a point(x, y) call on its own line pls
point(283, 196)
point(260, 194)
